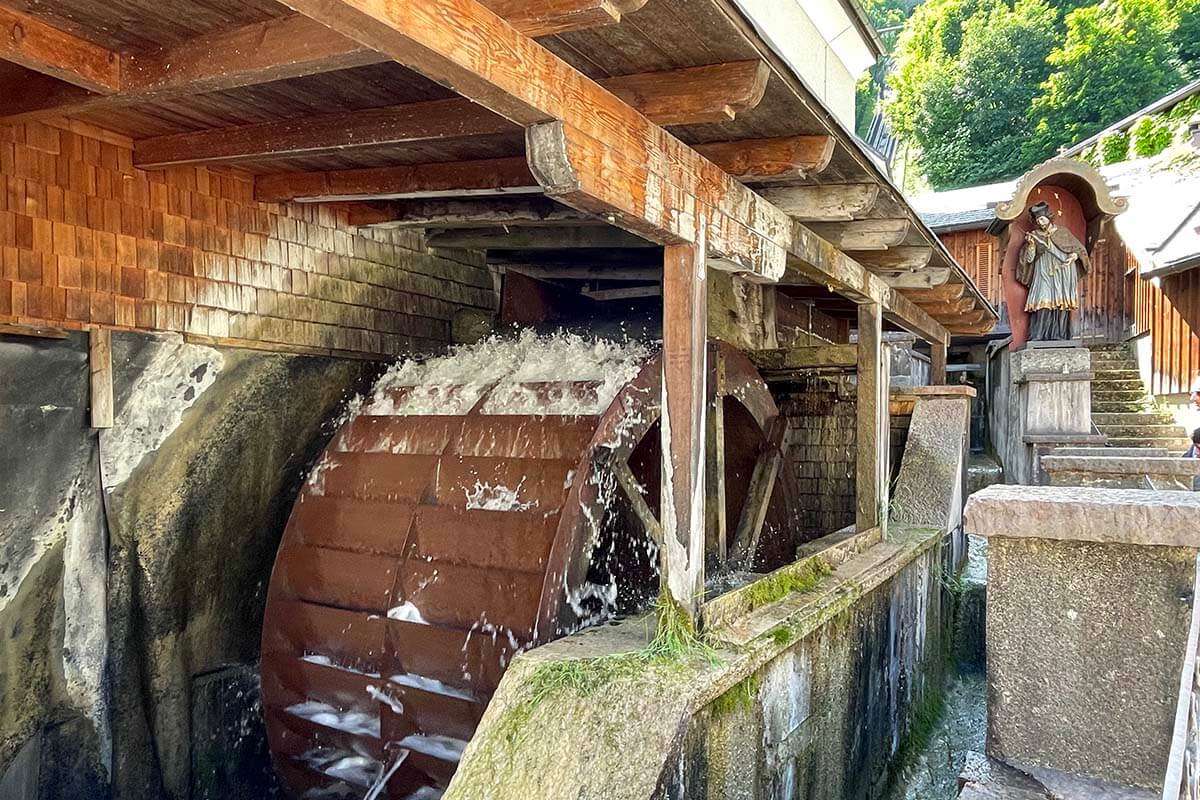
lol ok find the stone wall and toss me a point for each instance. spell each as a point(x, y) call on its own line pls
point(136, 560)
point(85, 238)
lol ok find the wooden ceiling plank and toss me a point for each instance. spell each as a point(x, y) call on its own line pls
point(278, 49)
point(694, 95)
point(561, 238)
point(835, 202)
point(323, 134)
point(43, 48)
point(770, 160)
point(864, 234)
point(515, 212)
point(445, 179)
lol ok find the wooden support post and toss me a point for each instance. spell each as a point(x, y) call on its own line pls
point(716, 528)
point(937, 363)
point(100, 369)
point(683, 422)
point(870, 478)
point(758, 495)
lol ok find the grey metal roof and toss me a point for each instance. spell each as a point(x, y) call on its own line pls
point(967, 219)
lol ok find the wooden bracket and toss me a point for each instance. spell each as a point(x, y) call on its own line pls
point(101, 377)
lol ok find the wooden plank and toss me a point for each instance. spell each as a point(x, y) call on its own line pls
point(516, 212)
point(924, 279)
point(585, 144)
point(43, 48)
point(448, 179)
point(636, 499)
point(101, 376)
point(683, 433)
point(325, 134)
point(869, 485)
point(536, 238)
point(824, 203)
point(694, 95)
point(622, 293)
point(758, 495)
point(32, 331)
point(908, 315)
point(575, 272)
point(939, 294)
point(901, 258)
point(716, 527)
point(864, 234)
point(283, 48)
point(937, 363)
point(836, 356)
point(786, 158)
point(547, 17)
point(948, 308)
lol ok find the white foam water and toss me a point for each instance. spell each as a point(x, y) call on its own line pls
point(430, 685)
point(443, 748)
point(361, 723)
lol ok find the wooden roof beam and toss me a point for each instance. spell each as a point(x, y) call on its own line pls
point(500, 211)
point(561, 238)
point(445, 179)
point(914, 282)
point(278, 49)
point(43, 48)
point(901, 258)
point(945, 308)
point(669, 97)
point(865, 234)
point(831, 202)
point(786, 158)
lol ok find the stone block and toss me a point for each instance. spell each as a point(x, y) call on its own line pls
point(1122, 472)
point(1050, 361)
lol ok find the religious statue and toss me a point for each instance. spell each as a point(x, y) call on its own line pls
point(1051, 263)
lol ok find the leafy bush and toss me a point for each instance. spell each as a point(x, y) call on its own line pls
point(1151, 135)
point(1114, 148)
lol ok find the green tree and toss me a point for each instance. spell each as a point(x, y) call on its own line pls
point(1116, 57)
point(1187, 37)
point(968, 71)
point(888, 17)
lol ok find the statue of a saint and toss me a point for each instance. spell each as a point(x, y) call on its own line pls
point(1051, 263)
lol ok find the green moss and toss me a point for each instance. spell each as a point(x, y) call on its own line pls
point(675, 644)
point(739, 696)
point(782, 583)
point(922, 725)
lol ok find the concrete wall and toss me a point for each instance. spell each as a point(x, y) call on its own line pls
point(85, 238)
point(136, 560)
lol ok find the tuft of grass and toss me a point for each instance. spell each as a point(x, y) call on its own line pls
point(778, 585)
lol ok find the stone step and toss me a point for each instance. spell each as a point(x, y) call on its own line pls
point(1102, 374)
point(1118, 396)
point(1128, 385)
point(1142, 431)
point(1173, 444)
point(1113, 362)
point(1117, 406)
point(1137, 418)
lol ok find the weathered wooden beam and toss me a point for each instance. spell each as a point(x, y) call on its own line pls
point(694, 95)
point(685, 372)
point(864, 234)
point(908, 315)
point(939, 294)
point(43, 48)
point(916, 281)
point(637, 501)
point(716, 528)
point(557, 272)
point(937, 363)
point(587, 147)
point(871, 449)
point(902, 258)
point(546, 17)
point(432, 120)
point(622, 293)
point(946, 308)
point(478, 213)
point(288, 47)
point(786, 158)
point(444, 179)
point(101, 376)
point(833, 202)
point(840, 356)
point(967, 319)
point(563, 238)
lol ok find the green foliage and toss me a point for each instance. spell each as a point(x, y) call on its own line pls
point(740, 696)
point(1114, 147)
point(1117, 57)
point(1187, 36)
point(968, 71)
point(1151, 135)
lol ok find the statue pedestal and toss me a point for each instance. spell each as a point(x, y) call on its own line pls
point(1052, 388)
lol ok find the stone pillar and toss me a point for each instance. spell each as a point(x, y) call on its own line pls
point(1052, 392)
point(1089, 603)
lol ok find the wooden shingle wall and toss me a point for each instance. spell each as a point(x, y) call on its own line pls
point(86, 239)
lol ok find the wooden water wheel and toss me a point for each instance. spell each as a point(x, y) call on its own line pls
point(427, 550)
